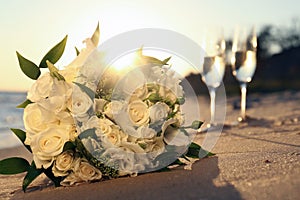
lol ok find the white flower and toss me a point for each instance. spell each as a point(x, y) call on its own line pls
point(36, 118)
point(140, 93)
point(116, 137)
point(82, 172)
point(158, 112)
point(55, 104)
point(105, 126)
point(48, 144)
point(41, 88)
point(138, 113)
point(85, 171)
point(61, 88)
point(80, 104)
point(145, 132)
point(113, 108)
point(155, 146)
point(63, 163)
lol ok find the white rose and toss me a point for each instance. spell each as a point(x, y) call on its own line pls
point(36, 118)
point(145, 132)
point(41, 88)
point(54, 104)
point(63, 163)
point(155, 146)
point(138, 113)
point(105, 126)
point(139, 93)
point(113, 108)
point(48, 144)
point(71, 179)
point(116, 136)
point(158, 112)
point(80, 104)
point(86, 172)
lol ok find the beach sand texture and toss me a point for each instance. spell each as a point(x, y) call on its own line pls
point(260, 160)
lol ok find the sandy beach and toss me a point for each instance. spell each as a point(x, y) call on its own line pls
point(258, 160)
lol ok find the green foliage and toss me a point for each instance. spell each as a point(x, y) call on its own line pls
point(21, 135)
point(88, 133)
point(69, 146)
point(32, 174)
point(13, 165)
point(96, 35)
point(56, 180)
point(87, 90)
point(28, 67)
point(194, 150)
point(24, 104)
point(77, 51)
point(54, 54)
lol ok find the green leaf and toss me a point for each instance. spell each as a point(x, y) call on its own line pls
point(87, 90)
point(29, 68)
point(32, 174)
point(88, 133)
point(21, 135)
point(150, 59)
point(14, 165)
point(96, 35)
point(24, 104)
point(56, 180)
point(54, 72)
point(77, 51)
point(69, 146)
point(195, 151)
point(54, 54)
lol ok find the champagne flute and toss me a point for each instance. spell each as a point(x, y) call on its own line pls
point(243, 62)
point(213, 67)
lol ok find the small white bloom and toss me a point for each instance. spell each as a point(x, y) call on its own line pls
point(63, 163)
point(116, 137)
point(113, 108)
point(140, 93)
point(41, 88)
point(80, 104)
point(158, 112)
point(145, 132)
point(138, 112)
point(36, 118)
point(48, 144)
point(82, 172)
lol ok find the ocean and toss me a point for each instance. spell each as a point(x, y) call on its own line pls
point(10, 117)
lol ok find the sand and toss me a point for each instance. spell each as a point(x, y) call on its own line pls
point(258, 160)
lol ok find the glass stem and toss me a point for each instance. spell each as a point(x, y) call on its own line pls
point(243, 100)
point(212, 93)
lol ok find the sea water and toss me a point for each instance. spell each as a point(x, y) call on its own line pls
point(10, 117)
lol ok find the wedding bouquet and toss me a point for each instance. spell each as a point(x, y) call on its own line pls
point(84, 123)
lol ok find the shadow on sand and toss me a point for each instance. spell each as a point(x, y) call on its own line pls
point(197, 183)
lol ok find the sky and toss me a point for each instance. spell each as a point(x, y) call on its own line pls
point(32, 27)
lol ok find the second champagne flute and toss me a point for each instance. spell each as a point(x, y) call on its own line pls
point(244, 63)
